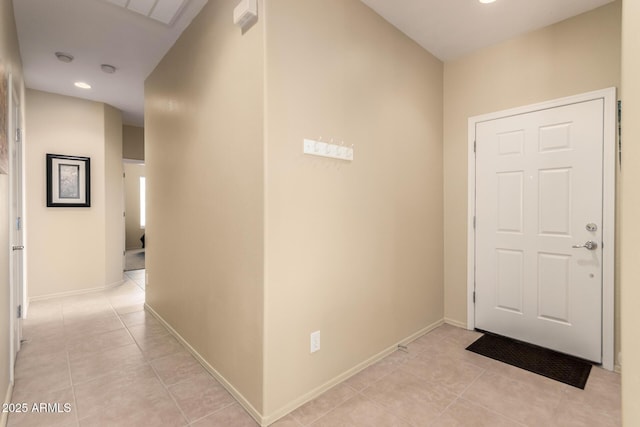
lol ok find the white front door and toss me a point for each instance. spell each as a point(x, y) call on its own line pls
point(539, 195)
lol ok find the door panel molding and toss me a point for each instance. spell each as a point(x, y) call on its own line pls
point(17, 263)
point(608, 215)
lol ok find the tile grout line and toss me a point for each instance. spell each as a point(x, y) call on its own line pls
point(164, 385)
point(73, 383)
point(173, 399)
point(431, 383)
point(148, 363)
point(395, 367)
point(361, 394)
point(73, 388)
point(61, 387)
point(214, 412)
point(484, 370)
point(453, 402)
point(483, 406)
point(326, 413)
point(402, 367)
point(166, 388)
point(385, 408)
point(155, 372)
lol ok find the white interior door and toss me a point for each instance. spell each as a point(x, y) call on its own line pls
point(17, 227)
point(539, 194)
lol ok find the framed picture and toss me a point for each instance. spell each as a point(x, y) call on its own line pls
point(68, 181)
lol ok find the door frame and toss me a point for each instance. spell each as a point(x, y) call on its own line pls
point(608, 209)
point(17, 295)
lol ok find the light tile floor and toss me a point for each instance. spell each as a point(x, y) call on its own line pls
point(118, 366)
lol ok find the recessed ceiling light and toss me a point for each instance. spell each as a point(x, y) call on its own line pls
point(82, 85)
point(64, 57)
point(109, 69)
point(486, 1)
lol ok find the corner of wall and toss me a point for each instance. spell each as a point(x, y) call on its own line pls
point(211, 119)
point(114, 197)
point(350, 246)
point(73, 250)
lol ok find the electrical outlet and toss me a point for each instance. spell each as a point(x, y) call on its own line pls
point(315, 341)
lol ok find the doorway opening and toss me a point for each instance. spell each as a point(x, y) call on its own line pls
point(135, 215)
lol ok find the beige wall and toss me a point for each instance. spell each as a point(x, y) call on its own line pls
point(352, 249)
point(132, 142)
point(114, 195)
point(575, 56)
point(133, 149)
point(133, 172)
point(204, 151)
point(629, 227)
point(68, 247)
point(10, 62)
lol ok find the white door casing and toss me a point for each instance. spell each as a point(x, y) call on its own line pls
point(16, 223)
point(540, 175)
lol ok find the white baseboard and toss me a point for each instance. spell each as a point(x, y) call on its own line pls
point(421, 332)
point(7, 399)
point(255, 414)
point(291, 406)
point(271, 418)
point(455, 323)
point(76, 292)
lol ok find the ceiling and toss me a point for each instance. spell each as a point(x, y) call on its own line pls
point(451, 28)
point(99, 32)
point(95, 32)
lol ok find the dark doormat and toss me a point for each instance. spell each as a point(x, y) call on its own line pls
point(557, 366)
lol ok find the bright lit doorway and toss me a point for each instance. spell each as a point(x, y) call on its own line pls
point(135, 213)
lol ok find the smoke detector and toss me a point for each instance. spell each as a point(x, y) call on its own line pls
point(245, 13)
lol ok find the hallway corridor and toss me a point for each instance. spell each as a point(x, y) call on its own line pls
point(115, 365)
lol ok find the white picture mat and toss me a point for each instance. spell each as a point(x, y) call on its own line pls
point(55, 167)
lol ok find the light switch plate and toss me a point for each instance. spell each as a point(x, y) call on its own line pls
point(315, 341)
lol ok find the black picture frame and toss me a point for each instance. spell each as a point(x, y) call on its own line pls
point(68, 181)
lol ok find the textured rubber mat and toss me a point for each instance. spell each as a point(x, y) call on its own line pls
point(557, 366)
